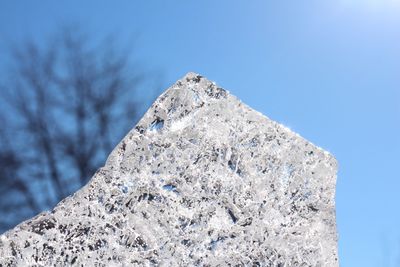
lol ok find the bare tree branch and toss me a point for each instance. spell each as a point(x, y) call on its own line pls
point(69, 102)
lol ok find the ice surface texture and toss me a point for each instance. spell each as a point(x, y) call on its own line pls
point(202, 180)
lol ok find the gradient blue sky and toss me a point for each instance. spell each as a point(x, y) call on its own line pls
point(330, 70)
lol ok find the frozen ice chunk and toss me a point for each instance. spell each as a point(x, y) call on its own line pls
point(202, 180)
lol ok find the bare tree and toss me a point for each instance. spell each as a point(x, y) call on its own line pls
point(70, 103)
point(11, 184)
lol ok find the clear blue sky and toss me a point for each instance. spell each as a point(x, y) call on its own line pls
point(330, 70)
